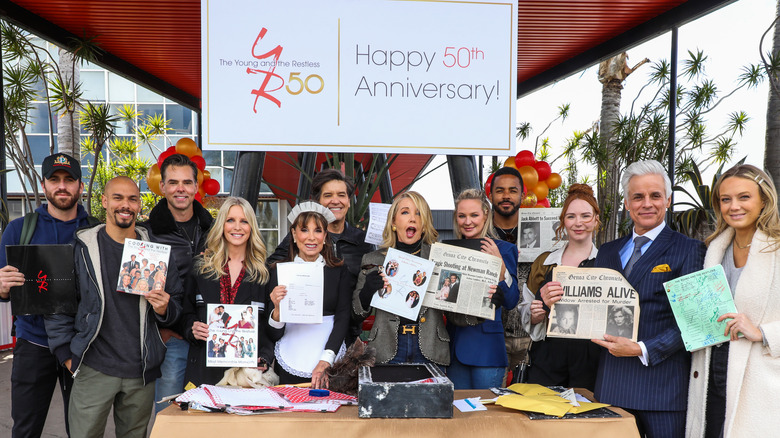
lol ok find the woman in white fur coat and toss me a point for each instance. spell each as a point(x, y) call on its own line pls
point(739, 400)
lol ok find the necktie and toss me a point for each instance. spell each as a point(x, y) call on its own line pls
point(639, 242)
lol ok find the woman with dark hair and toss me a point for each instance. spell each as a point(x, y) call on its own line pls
point(304, 352)
point(732, 384)
point(409, 228)
point(231, 271)
point(560, 361)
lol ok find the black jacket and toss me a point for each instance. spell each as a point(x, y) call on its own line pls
point(165, 230)
point(207, 292)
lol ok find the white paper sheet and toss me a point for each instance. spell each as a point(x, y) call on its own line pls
point(304, 282)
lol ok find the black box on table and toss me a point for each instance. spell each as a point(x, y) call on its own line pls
point(404, 391)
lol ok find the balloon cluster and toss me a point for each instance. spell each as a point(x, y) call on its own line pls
point(188, 147)
point(538, 179)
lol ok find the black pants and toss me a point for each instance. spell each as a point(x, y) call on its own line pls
point(716, 391)
point(34, 376)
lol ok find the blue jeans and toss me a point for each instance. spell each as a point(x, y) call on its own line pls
point(472, 377)
point(409, 350)
point(172, 379)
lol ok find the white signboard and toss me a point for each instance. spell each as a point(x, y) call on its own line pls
point(360, 76)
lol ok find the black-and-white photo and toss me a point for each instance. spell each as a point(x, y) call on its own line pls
point(565, 319)
point(620, 321)
point(529, 235)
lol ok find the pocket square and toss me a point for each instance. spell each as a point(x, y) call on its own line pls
point(662, 268)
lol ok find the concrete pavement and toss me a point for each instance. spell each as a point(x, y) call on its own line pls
point(55, 421)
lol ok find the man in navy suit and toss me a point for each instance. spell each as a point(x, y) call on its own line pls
point(650, 377)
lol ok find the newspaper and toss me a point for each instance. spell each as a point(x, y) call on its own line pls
point(233, 340)
point(461, 281)
point(408, 276)
point(595, 301)
point(144, 267)
point(537, 232)
point(376, 223)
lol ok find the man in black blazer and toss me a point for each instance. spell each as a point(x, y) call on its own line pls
point(649, 377)
point(454, 288)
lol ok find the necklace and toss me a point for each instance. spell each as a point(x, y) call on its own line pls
point(740, 246)
point(508, 236)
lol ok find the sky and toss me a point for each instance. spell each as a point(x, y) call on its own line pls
point(729, 37)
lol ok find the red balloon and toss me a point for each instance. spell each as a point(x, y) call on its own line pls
point(524, 158)
point(168, 152)
point(543, 169)
point(198, 197)
point(211, 187)
point(544, 203)
point(199, 161)
point(488, 184)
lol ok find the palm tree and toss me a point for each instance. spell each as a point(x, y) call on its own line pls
point(612, 73)
point(772, 66)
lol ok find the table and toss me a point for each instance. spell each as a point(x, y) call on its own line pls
point(496, 421)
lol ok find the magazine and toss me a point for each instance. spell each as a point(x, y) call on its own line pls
point(232, 340)
point(144, 267)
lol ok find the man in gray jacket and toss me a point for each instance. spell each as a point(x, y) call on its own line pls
point(112, 345)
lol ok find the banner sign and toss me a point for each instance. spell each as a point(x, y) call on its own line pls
point(408, 76)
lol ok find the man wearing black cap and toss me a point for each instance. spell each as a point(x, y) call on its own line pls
point(35, 369)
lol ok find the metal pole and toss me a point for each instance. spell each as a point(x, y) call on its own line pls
point(385, 184)
point(3, 180)
point(672, 118)
point(463, 173)
point(308, 161)
point(247, 174)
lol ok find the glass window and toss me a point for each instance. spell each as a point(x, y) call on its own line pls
point(15, 209)
point(120, 89)
point(93, 84)
point(229, 158)
point(181, 119)
point(227, 180)
point(267, 214)
point(39, 145)
point(39, 119)
point(158, 145)
point(14, 185)
point(146, 110)
point(213, 158)
point(146, 95)
point(271, 239)
point(122, 126)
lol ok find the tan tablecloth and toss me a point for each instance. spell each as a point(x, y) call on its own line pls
point(496, 421)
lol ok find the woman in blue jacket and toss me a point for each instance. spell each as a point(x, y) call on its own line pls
point(478, 351)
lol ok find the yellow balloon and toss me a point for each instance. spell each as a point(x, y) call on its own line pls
point(554, 181)
point(530, 177)
point(206, 175)
point(153, 179)
point(187, 146)
point(510, 162)
point(200, 178)
point(541, 191)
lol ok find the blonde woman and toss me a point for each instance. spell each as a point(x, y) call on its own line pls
point(231, 271)
point(409, 228)
point(732, 384)
point(479, 358)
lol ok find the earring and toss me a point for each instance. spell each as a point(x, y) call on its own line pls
point(394, 228)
